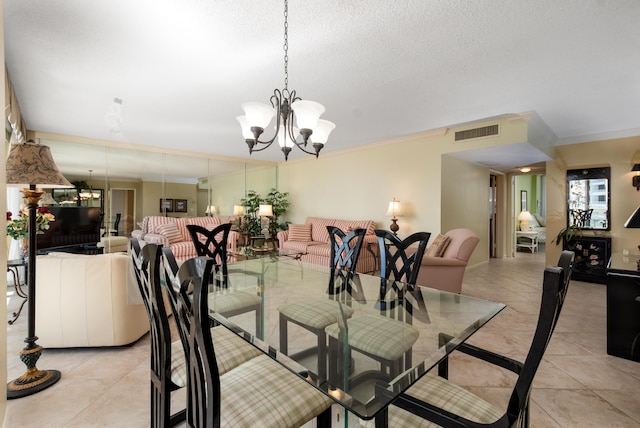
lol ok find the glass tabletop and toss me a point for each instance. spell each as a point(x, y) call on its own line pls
point(364, 315)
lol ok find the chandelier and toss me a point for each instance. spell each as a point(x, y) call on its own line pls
point(286, 106)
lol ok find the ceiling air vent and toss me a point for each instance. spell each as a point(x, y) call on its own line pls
point(468, 134)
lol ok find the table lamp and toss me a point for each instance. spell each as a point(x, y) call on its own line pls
point(211, 210)
point(29, 165)
point(265, 211)
point(524, 218)
point(238, 211)
point(394, 210)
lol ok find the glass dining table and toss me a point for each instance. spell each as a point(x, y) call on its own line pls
point(360, 384)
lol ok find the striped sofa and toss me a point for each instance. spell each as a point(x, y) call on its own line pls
point(171, 232)
point(312, 239)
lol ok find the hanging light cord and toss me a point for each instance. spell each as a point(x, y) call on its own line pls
point(286, 48)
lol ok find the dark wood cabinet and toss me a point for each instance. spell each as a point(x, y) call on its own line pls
point(623, 307)
point(592, 255)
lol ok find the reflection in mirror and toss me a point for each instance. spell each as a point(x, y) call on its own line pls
point(588, 198)
point(135, 181)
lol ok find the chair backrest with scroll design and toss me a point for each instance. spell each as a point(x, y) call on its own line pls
point(146, 263)
point(213, 244)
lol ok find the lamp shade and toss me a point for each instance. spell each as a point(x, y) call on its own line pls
point(634, 221)
point(32, 164)
point(265, 211)
point(525, 216)
point(247, 134)
point(238, 210)
point(211, 209)
point(394, 208)
point(307, 113)
point(322, 131)
point(636, 167)
point(258, 114)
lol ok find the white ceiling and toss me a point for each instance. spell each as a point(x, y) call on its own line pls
point(383, 69)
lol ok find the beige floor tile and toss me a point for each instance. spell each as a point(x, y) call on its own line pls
point(578, 384)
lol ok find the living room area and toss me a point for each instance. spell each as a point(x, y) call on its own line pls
point(413, 151)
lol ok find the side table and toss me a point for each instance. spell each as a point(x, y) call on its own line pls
point(13, 266)
point(527, 240)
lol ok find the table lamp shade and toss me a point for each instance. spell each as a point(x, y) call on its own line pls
point(634, 221)
point(394, 208)
point(265, 211)
point(32, 164)
point(238, 210)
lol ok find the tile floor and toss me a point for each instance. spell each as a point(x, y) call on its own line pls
point(578, 384)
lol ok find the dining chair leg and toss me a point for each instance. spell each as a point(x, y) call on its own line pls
point(284, 345)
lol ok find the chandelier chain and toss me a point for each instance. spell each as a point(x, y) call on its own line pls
point(286, 45)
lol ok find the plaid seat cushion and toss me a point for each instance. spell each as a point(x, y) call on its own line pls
point(315, 313)
point(381, 336)
point(178, 364)
point(445, 395)
point(231, 351)
point(262, 393)
point(222, 302)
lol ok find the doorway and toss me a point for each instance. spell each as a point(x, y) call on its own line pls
point(122, 202)
point(493, 204)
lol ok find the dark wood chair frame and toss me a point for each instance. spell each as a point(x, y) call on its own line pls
point(345, 251)
point(146, 263)
point(215, 247)
point(555, 285)
point(203, 383)
point(400, 266)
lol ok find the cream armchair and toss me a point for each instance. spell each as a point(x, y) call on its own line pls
point(83, 301)
point(446, 272)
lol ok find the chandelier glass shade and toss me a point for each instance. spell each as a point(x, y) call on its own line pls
point(298, 121)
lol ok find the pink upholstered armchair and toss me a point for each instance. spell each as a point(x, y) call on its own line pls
point(446, 272)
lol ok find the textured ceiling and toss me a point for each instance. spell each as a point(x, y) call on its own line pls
point(383, 69)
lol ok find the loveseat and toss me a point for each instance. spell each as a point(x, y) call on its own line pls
point(172, 232)
point(84, 301)
point(312, 239)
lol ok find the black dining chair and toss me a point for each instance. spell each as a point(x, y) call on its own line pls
point(260, 392)
point(315, 315)
point(116, 225)
point(213, 244)
point(168, 366)
point(232, 349)
point(435, 399)
point(387, 340)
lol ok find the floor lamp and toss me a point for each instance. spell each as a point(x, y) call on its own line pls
point(29, 165)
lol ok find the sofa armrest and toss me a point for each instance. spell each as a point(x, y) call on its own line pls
point(283, 236)
point(155, 238)
point(442, 261)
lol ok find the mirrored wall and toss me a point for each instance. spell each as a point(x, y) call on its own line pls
point(129, 184)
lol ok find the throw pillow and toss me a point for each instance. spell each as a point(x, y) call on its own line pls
point(300, 232)
point(438, 246)
point(169, 231)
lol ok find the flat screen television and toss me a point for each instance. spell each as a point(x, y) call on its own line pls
point(73, 227)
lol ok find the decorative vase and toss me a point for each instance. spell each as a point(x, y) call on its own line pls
point(24, 247)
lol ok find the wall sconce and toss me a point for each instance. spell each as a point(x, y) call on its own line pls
point(635, 180)
point(394, 210)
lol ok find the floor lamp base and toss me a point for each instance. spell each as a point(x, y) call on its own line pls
point(33, 380)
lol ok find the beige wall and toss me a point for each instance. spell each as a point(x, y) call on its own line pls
point(153, 191)
point(618, 155)
point(465, 201)
point(437, 192)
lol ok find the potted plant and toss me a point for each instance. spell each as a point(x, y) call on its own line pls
point(567, 234)
point(251, 222)
point(279, 204)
